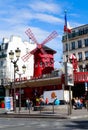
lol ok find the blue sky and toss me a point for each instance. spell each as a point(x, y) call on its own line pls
point(43, 17)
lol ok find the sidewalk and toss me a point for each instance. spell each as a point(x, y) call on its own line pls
point(57, 114)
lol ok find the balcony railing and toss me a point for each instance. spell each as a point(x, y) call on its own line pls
point(50, 75)
point(75, 34)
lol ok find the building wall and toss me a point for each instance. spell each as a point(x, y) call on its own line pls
point(78, 34)
point(7, 68)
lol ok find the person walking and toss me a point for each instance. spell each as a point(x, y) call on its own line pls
point(27, 103)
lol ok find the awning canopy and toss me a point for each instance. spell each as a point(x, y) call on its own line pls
point(37, 82)
point(80, 77)
point(43, 82)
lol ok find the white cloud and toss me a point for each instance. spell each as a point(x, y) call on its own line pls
point(42, 6)
point(48, 18)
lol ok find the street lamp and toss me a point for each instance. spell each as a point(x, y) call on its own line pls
point(11, 56)
point(20, 74)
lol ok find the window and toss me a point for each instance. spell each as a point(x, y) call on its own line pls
point(86, 42)
point(66, 57)
point(2, 92)
point(86, 55)
point(80, 56)
point(51, 61)
point(79, 44)
point(66, 47)
point(3, 46)
point(27, 50)
point(86, 67)
point(36, 65)
point(46, 64)
point(80, 32)
point(80, 68)
point(73, 45)
point(41, 64)
point(2, 81)
point(2, 63)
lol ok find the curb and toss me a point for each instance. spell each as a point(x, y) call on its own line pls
point(41, 116)
point(79, 117)
point(32, 116)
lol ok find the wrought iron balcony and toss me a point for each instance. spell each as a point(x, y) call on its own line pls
point(72, 35)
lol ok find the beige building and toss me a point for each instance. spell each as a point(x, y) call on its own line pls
point(77, 43)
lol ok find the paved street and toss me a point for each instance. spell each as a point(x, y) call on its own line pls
point(42, 124)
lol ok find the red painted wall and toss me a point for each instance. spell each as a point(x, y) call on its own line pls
point(43, 63)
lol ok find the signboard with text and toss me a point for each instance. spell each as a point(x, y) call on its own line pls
point(80, 77)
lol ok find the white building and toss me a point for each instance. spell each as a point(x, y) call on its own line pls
point(6, 67)
point(77, 43)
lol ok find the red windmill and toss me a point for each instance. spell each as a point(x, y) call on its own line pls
point(43, 56)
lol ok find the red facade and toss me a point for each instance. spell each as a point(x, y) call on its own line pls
point(43, 62)
point(80, 77)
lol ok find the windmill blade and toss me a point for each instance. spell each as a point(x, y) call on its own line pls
point(34, 50)
point(26, 57)
point(50, 37)
point(31, 36)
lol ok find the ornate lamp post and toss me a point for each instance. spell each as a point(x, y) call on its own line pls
point(11, 56)
point(20, 74)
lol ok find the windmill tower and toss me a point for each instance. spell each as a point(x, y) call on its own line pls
point(43, 56)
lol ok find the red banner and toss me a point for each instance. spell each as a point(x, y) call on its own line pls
point(81, 77)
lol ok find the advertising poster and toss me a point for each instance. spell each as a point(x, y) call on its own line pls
point(8, 103)
point(69, 79)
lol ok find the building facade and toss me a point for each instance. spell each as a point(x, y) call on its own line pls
point(7, 68)
point(77, 43)
point(34, 85)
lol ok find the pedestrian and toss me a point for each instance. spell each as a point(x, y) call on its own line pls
point(73, 102)
point(27, 103)
point(78, 103)
point(41, 101)
point(46, 101)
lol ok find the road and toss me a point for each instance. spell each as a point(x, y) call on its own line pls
point(42, 124)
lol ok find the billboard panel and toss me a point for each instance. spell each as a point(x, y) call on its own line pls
point(69, 79)
point(9, 103)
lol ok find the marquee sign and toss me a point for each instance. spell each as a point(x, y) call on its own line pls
point(21, 79)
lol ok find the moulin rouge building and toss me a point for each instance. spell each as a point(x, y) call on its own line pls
point(40, 74)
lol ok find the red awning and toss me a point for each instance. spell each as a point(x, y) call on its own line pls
point(80, 77)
